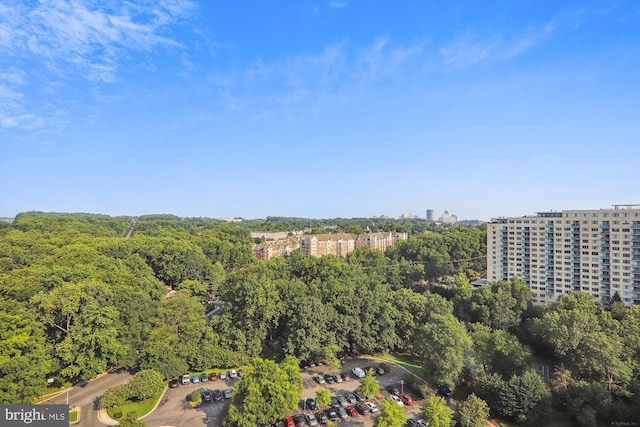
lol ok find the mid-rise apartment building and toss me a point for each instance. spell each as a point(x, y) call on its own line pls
point(276, 248)
point(339, 244)
point(555, 253)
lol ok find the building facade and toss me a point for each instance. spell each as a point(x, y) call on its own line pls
point(339, 244)
point(555, 253)
point(271, 249)
point(448, 218)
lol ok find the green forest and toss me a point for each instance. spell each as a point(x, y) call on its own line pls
point(83, 293)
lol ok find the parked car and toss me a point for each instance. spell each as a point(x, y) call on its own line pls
point(351, 397)
point(299, 420)
point(310, 403)
point(332, 414)
point(423, 423)
point(378, 370)
point(227, 393)
point(304, 364)
point(185, 379)
point(322, 417)
point(359, 396)
point(372, 406)
point(311, 419)
point(174, 383)
point(195, 379)
point(290, 422)
point(207, 396)
point(233, 373)
point(319, 379)
point(213, 377)
point(345, 376)
point(204, 378)
point(358, 373)
point(334, 401)
point(222, 375)
point(396, 400)
point(329, 379)
point(338, 378)
point(393, 389)
point(217, 395)
point(351, 411)
point(362, 408)
point(444, 391)
point(412, 422)
point(240, 372)
point(342, 413)
point(343, 401)
point(406, 399)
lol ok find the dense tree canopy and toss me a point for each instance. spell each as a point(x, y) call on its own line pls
point(81, 293)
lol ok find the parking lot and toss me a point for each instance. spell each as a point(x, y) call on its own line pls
point(174, 409)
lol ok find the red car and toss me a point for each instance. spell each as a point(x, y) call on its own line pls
point(213, 377)
point(351, 411)
point(406, 399)
point(290, 422)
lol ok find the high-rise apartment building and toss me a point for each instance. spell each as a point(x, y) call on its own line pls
point(555, 253)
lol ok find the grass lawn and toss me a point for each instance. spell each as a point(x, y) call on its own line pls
point(140, 408)
point(407, 362)
point(73, 416)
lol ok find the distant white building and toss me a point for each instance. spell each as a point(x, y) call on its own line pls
point(448, 218)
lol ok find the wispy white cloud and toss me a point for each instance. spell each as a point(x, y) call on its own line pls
point(67, 40)
point(87, 36)
point(338, 4)
point(381, 60)
point(469, 49)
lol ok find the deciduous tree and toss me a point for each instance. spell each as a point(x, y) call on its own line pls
point(391, 415)
point(472, 412)
point(267, 392)
point(436, 412)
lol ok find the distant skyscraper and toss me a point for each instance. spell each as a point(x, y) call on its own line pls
point(431, 215)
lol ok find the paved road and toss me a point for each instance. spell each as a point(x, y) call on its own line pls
point(86, 396)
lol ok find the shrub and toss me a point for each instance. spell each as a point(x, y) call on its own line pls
point(418, 388)
point(195, 399)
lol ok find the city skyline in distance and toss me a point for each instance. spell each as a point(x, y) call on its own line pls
point(319, 109)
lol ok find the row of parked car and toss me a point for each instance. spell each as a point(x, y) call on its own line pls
point(216, 395)
point(343, 376)
point(332, 413)
point(203, 378)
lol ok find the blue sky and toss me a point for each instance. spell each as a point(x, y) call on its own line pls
point(318, 109)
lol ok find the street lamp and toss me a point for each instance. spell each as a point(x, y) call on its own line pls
point(401, 386)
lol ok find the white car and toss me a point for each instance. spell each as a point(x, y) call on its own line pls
point(396, 400)
point(372, 406)
point(358, 373)
point(233, 373)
